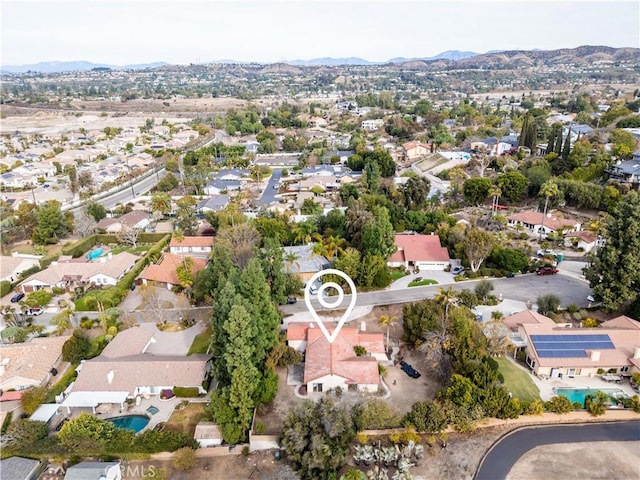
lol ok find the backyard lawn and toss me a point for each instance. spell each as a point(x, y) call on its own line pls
point(185, 420)
point(518, 381)
point(201, 342)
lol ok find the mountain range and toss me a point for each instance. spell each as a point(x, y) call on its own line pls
point(583, 55)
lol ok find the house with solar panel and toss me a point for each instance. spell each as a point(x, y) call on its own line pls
point(556, 351)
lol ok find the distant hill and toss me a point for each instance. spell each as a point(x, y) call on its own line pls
point(331, 62)
point(55, 67)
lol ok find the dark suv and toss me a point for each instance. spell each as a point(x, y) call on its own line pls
point(547, 270)
point(17, 297)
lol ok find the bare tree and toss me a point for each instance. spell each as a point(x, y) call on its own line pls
point(153, 306)
point(129, 236)
point(241, 240)
point(84, 223)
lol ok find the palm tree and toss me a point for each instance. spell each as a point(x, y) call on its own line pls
point(388, 322)
point(445, 297)
point(548, 189)
point(495, 194)
point(305, 231)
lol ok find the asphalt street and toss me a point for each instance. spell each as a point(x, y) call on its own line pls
point(269, 194)
point(523, 288)
point(503, 455)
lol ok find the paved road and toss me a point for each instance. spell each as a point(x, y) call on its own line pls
point(504, 454)
point(126, 195)
point(521, 288)
point(269, 194)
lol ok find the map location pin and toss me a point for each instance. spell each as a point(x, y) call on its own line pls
point(326, 303)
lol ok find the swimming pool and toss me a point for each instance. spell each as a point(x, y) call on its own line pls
point(93, 254)
point(580, 394)
point(130, 422)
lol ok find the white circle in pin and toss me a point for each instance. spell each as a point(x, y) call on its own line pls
point(321, 298)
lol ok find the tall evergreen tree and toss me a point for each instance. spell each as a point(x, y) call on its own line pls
point(257, 300)
point(225, 297)
point(566, 149)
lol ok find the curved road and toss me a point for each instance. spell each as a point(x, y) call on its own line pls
point(503, 455)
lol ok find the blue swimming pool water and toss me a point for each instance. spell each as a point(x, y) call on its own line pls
point(130, 422)
point(93, 254)
point(580, 394)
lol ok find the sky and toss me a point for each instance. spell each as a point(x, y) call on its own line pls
point(197, 31)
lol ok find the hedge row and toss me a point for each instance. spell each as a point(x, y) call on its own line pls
point(83, 246)
point(186, 391)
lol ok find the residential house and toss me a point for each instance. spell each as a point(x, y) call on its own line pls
point(575, 131)
point(191, 246)
point(69, 274)
point(13, 180)
point(491, 146)
point(20, 468)
point(627, 171)
point(207, 434)
point(30, 364)
point(136, 219)
point(583, 240)
point(125, 369)
point(301, 261)
point(11, 267)
point(35, 170)
point(335, 365)
point(533, 223)
point(419, 252)
point(94, 471)
point(218, 187)
point(164, 274)
point(556, 351)
point(414, 150)
point(372, 124)
point(214, 203)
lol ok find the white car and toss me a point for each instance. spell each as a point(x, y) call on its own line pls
point(542, 253)
point(35, 311)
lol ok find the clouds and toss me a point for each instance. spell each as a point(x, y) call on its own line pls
point(122, 32)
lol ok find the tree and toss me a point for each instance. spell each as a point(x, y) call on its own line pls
point(128, 235)
point(39, 298)
point(495, 194)
point(84, 223)
point(597, 405)
point(305, 231)
point(184, 271)
point(317, 437)
point(85, 180)
point(97, 211)
point(167, 183)
point(310, 207)
point(427, 416)
point(86, 434)
point(186, 215)
point(32, 398)
point(614, 275)
point(23, 432)
point(414, 193)
point(547, 190)
point(513, 185)
point(378, 236)
point(50, 224)
point(184, 459)
point(160, 204)
point(483, 289)
point(477, 247)
point(548, 304)
point(388, 322)
point(26, 219)
point(240, 240)
point(76, 348)
point(476, 190)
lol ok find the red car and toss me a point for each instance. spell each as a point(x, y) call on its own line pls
point(547, 271)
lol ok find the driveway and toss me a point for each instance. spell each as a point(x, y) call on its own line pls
point(443, 278)
point(172, 343)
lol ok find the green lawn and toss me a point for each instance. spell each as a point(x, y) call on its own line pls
point(518, 381)
point(396, 274)
point(422, 282)
point(201, 342)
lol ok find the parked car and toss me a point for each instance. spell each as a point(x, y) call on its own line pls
point(457, 270)
point(548, 270)
point(542, 253)
point(35, 311)
point(510, 275)
point(17, 297)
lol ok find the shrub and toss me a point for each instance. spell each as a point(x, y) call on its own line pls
point(534, 408)
point(6, 422)
point(427, 416)
point(548, 304)
point(39, 298)
point(359, 350)
point(572, 308)
point(559, 404)
point(62, 384)
point(186, 391)
point(260, 428)
point(597, 405)
point(25, 432)
point(5, 288)
point(184, 459)
point(589, 323)
point(362, 438)
point(600, 371)
point(57, 290)
point(375, 414)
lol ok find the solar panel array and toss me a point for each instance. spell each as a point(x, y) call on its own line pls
point(569, 346)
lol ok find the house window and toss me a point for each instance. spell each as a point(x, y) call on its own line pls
point(624, 369)
point(531, 362)
point(317, 387)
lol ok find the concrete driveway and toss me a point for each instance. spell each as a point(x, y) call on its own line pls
point(172, 343)
point(443, 278)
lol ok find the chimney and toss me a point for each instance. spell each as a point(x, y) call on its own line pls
point(110, 376)
point(636, 353)
point(595, 356)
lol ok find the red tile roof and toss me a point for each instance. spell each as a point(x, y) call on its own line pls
point(535, 218)
point(338, 358)
point(583, 235)
point(297, 331)
point(192, 242)
point(10, 396)
point(165, 271)
point(419, 248)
